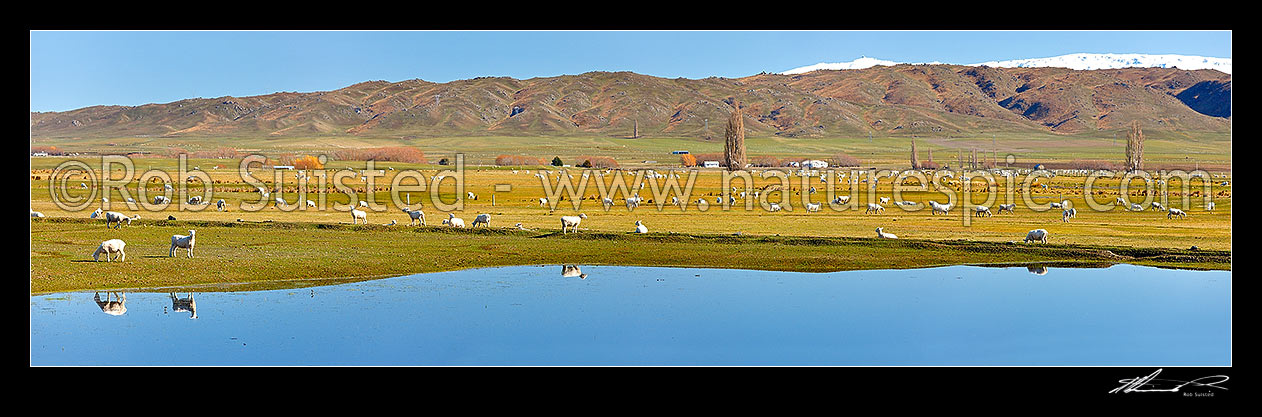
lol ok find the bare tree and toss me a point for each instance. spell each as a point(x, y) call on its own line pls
point(1135, 148)
point(734, 141)
point(915, 159)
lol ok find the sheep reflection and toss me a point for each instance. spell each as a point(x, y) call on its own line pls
point(572, 271)
point(1037, 270)
point(114, 306)
point(184, 305)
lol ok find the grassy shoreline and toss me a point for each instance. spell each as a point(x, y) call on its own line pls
point(272, 255)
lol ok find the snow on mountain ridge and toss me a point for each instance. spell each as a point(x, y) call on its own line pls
point(1072, 61)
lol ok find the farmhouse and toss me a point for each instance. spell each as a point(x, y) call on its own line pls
point(814, 163)
point(710, 164)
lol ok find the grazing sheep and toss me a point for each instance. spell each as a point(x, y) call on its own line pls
point(454, 221)
point(482, 219)
point(161, 199)
point(1010, 208)
point(1121, 201)
point(880, 233)
point(311, 204)
point(935, 207)
point(415, 215)
point(280, 202)
point(363, 203)
point(1174, 212)
point(1136, 207)
point(1067, 214)
point(1209, 206)
point(357, 215)
point(221, 204)
point(114, 217)
point(1157, 206)
point(543, 202)
point(874, 208)
point(1036, 235)
point(1057, 205)
point(36, 214)
point(195, 200)
point(774, 207)
point(472, 196)
point(182, 241)
point(811, 207)
point(885, 200)
point(110, 248)
point(841, 199)
point(639, 227)
point(571, 222)
point(520, 227)
point(981, 211)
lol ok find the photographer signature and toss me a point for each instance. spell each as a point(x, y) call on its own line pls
point(1150, 383)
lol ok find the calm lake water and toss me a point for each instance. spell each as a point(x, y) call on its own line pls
point(547, 315)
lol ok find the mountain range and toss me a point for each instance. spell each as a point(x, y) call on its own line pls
point(897, 99)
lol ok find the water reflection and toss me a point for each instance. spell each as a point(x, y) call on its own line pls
point(569, 271)
point(113, 308)
point(1037, 269)
point(184, 305)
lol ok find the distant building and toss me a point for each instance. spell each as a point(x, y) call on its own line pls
point(679, 152)
point(710, 164)
point(40, 154)
point(283, 167)
point(814, 163)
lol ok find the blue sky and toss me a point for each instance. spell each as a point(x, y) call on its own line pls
point(74, 69)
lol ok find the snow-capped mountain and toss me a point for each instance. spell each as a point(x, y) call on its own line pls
point(1072, 61)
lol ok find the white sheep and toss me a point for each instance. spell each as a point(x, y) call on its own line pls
point(311, 204)
point(935, 207)
point(110, 248)
point(1067, 214)
point(885, 200)
point(182, 241)
point(1157, 206)
point(1209, 206)
point(221, 204)
point(416, 216)
point(774, 207)
point(1036, 235)
point(543, 202)
point(114, 217)
point(1010, 208)
point(36, 214)
point(1057, 205)
point(880, 233)
point(1174, 212)
point(363, 203)
point(472, 196)
point(1121, 201)
point(195, 200)
point(482, 219)
point(874, 208)
point(357, 215)
point(280, 202)
point(981, 211)
point(161, 199)
point(1136, 207)
point(812, 207)
point(571, 222)
point(453, 221)
point(640, 228)
point(841, 199)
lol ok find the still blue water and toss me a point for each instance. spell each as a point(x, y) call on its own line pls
point(536, 315)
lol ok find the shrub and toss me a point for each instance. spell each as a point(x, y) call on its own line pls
point(556, 161)
point(687, 160)
point(843, 160)
point(516, 160)
point(597, 162)
point(764, 161)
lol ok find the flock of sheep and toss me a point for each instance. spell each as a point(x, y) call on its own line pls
point(113, 248)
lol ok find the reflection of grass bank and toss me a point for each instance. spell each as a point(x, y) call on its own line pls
point(281, 254)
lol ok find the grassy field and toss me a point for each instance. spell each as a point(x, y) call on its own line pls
point(274, 246)
point(286, 255)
